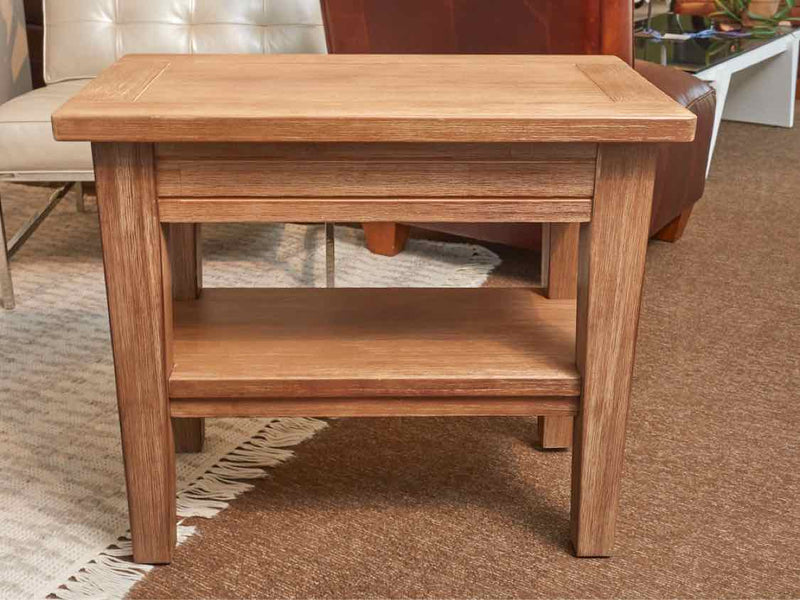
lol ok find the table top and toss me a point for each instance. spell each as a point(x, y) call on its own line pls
point(366, 98)
point(696, 54)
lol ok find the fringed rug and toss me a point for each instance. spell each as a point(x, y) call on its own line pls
point(64, 519)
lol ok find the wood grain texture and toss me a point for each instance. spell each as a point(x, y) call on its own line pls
point(186, 260)
point(189, 434)
point(125, 80)
point(306, 343)
point(386, 239)
point(375, 178)
point(377, 151)
point(375, 407)
point(184, 252)
point(560, 280)
point(366, 210)
point(611, 271)
point(560, 260)
point(376, 170)
point(132, 255)
point(621, 83)
point(371, 98)
point(555, 432)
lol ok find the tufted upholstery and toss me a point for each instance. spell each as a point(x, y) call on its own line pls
point(82, 37)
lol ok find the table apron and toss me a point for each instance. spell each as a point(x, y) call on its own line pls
point(516, 182)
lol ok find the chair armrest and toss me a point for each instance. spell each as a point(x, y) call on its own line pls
point(15, 69)
point(681, 173)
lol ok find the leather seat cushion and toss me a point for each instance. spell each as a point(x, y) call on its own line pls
point(26, 135)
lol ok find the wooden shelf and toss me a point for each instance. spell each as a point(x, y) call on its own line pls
point(500, 345)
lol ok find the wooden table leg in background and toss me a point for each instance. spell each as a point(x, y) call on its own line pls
point(560, 281)
point(610, 276)
point(186, 262)
point(387, 239)
point(135, 275)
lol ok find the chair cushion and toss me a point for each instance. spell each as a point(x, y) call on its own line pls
point(26, 135)
point(82, 37)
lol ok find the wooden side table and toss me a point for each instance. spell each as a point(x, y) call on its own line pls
point(184, 140)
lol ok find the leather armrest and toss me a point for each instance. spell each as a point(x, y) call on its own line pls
point(681, 174)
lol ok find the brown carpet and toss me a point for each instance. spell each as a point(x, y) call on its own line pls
point(466, 508)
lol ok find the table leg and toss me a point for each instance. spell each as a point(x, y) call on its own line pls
point(387, 239)
point(186, 263)
point(610, 277)
point(560, 279)
point(133, 243)
point(560, 259)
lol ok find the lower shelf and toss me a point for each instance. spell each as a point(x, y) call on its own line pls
point(499, 345)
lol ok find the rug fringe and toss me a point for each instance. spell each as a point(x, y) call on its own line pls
point(112, 573)
point(229, 478)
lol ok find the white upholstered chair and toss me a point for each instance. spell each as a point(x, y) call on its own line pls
point(82, 37)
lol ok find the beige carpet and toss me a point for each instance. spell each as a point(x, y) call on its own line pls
point(62, 494)
point(465, 508)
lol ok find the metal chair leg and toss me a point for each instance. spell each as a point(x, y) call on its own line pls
point(10, 247)
point(32, 224)
point(6, 286)
point(330, 256)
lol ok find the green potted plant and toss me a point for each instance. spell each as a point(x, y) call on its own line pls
point(762, 16)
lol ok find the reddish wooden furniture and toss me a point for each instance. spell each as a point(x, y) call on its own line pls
point(527, 27)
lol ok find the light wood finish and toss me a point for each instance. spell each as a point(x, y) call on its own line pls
point(555, 432)
point(560, 260)
point(343, 352)
point(371, 98)
point(186, 261)
point(376, 182)
point(254, 343)
point(379, 171)
point(381, 152)
point(560, 278)
point(375, 407)
point(365, 210)
point(132, 254)
point(611, 272)
point(673, 231)
point(387, 239)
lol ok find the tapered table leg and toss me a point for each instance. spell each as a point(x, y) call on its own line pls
point(610, 277)
point(186, 263)
point(133, 244)
point(560, 279)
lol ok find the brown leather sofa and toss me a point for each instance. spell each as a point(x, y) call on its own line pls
point(533, 27)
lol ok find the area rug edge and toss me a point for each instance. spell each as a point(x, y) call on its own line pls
point(111, 572)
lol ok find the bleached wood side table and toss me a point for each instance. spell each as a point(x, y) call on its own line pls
point(184, 140)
